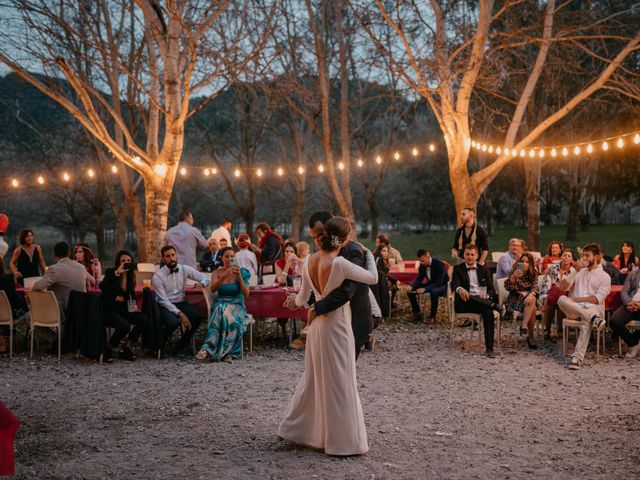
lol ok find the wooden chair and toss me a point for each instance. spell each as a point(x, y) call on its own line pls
point(568, 323)
point(6, 318)
point(44, 312)
point(632, 325)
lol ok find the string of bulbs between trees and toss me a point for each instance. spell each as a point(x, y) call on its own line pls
point(576, 149)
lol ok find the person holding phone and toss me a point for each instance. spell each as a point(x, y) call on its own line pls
point(168, 284)
point(120, 309)
point(522, 286)
point(228, 318)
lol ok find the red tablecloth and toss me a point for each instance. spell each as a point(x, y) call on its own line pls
point(9, 425)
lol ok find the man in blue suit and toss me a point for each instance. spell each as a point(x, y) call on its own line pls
point(432, 279)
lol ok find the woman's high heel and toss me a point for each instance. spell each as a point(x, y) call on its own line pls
point(532, 346)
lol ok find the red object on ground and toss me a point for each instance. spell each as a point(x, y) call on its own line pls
point(4, 223)
point(9, 425)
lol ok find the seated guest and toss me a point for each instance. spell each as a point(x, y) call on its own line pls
point(522, 286)
point(628, 311)
point(27, 260)
point(212, 258)
point(63, 277)
point(8, 285)
point(223, 243)
point(589, 289)
point(553, 256)
point(381, 289)
point(432, 279)
point(474, 292)
point(550, 292)
point(84, 255)
point(394, 254)
point(626, 260)
point(303, 251)
point(228, 319)
point(168, 284)
point(617, 277)
point(245, 257)
point(289, 264)
point(119, 304)
point(506, 261)
point(270, 248)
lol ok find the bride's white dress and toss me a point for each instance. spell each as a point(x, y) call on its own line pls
point(325, 411)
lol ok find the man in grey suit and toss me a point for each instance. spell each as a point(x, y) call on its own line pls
point(62, 277)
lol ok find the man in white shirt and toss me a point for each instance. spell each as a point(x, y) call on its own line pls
point(245, 257)
point(223, 231)
point(168, 284)
point(186, 239)
point(586, 301)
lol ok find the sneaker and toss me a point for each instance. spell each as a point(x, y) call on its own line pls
point(633, 351)
point(598, 322)
point(575, 364)
point(297, 344)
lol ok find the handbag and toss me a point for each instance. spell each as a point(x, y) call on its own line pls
point(554, 295)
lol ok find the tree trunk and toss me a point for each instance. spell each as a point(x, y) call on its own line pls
point(532, 188)
point(574, 206)
point(374, 211)
point(121, 229)
point(298, 209)
point(465, 194)
point(157, 196)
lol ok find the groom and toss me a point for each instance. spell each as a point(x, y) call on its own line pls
point(355, 292)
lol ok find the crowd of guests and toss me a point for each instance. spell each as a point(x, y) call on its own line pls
point(554, 286)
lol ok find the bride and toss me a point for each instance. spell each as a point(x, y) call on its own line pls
point(325, 411)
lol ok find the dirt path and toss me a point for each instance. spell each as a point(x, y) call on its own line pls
point(432, 411)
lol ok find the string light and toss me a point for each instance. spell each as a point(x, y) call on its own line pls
point(258, 173)
point(91, 173)
point(137, 160)
point(183, 171)
point(206, 172)
point(532, 153)
point(114, 169)
point(378, 159)
point(589, 148)
point(541, 153)
point(396, 155)
point(473, 143)
point(15, 183)
point(484, 147)
point(160, 169)
point(490, 149)
point(499, 151)
point(40, 179)
point(237, 172)
point(214, 171)
point(554, 152)
point(414, 152)
point(340, 165)
point(514, 152)
point(280, 171)
point(522, 153)
point(360, 163)
point(300, 170)
point(620, 143)
point(321, 168)
point(605, 146)
point(432, 148)
point(576, 150)
point(636, 139)
point(565, 152)
point(467, 142)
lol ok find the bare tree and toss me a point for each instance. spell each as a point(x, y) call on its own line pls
point(155, 56)
point(450, 53)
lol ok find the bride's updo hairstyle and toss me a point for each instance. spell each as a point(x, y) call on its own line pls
point(336, 232)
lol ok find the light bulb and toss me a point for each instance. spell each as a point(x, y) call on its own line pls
point(378, 159)
point(532, 153)
point(541, 153)
point(91, 173)
point(589, 148)
point(636, 139)
point(237, 172)
point(498, 150)
point(258, 172)
point(473, 143)
point(114, 169)
point(484, 147)
point(206, 172)
point(137, 160)
point(300, 170)
point(565, 152)
point(522, 152)
point(554, 152)
point(468, 143)
point(40, 179)
point(514, 152)
point(183, 171)
point(432, 147)
point(490, 149)
point(321, 168)
point(341, 165)
point(576, 150)
point(214, 171)
point(620, 143)
point(15, 183)
point(396, 155)
point(160, 169)
point(605, 146)
point(360, 163)
point(280, 171)
point(66, 177)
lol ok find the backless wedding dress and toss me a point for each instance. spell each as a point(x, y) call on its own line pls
point(325, 411)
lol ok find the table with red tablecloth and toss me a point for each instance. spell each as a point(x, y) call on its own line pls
point(9, 425)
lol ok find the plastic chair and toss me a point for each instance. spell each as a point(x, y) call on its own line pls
point(632, 325)
point(142, 276)
point(29, 282)
point(495, 256)
point(568, 323)
point(475, 318)
point(6, 318)
point(45, 312)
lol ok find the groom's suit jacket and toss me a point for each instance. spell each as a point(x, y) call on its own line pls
point(355, 292)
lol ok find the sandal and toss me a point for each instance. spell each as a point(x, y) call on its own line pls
point(227, 359)
point(202, 355)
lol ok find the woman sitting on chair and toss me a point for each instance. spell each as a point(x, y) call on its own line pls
point(522, 285)
point(120, 309)
point(229, 319)
point(550, 293)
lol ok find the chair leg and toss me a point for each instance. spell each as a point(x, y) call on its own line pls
point(251, 337)
point(31, 329)
point(159, 353)
point(564, 340)
point(499, 330)
point(619, 347)
point(10, 342)
point(59, 342)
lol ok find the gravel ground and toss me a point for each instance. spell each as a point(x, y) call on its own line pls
point(432, 411)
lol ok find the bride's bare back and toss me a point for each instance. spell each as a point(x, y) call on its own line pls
point(320, 268)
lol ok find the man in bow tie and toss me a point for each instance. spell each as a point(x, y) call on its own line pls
point(168, 284)
point(474, 291)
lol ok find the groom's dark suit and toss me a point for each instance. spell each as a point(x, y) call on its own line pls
point(355, 292)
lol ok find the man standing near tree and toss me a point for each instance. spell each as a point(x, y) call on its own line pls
point(186, 239)
point(470, 233)
point(223, 232)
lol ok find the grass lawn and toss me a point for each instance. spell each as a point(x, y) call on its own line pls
point(439, 243)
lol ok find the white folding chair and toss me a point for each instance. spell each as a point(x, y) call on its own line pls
point(142, 276)
point(44, 312)
point(495, 256)
point(146, 267)
point(6, 318)
point(632, 325)
point(568, 323)
point(29, 282)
